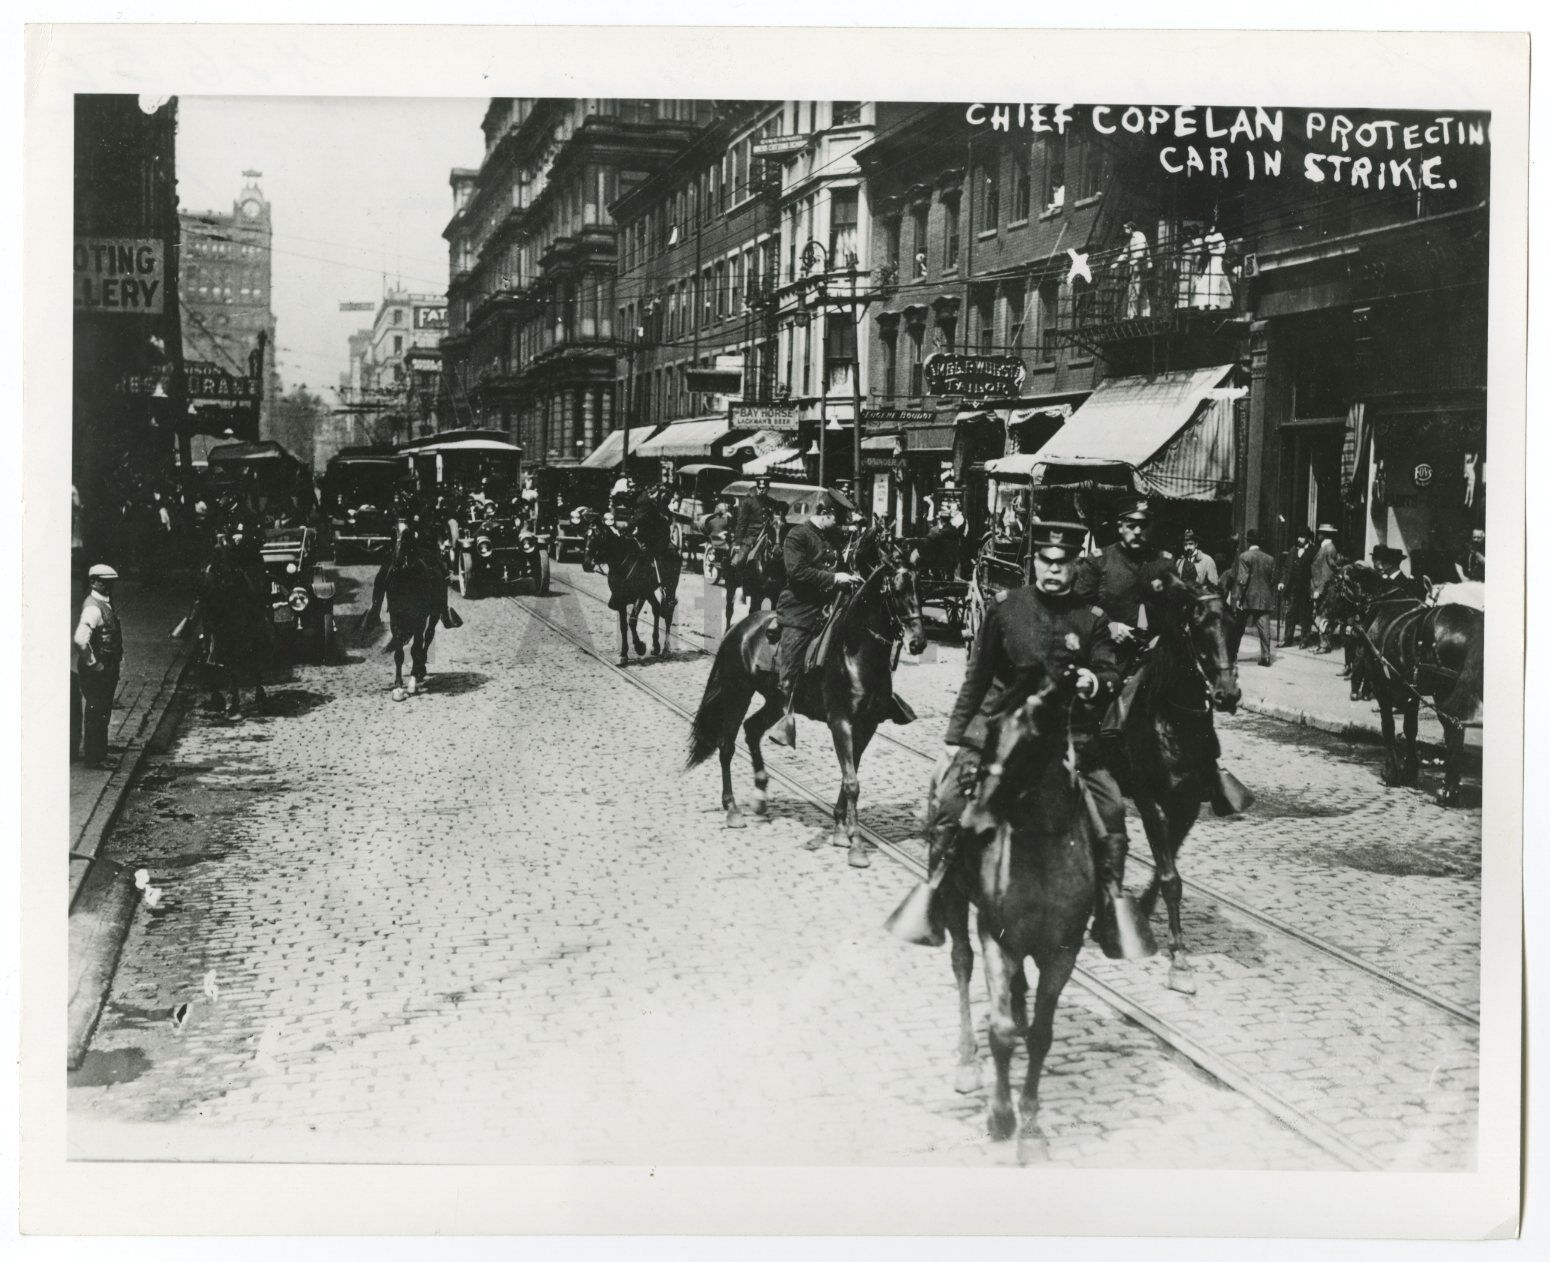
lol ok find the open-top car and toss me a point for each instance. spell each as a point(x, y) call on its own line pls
point(696, 488)
point(358, 498)
point(492, 539)
point(301, 594)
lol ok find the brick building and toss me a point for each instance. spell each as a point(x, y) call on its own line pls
point(530, 343)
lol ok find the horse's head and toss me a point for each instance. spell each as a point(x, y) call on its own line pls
point(1349, 591)
point(1196, 621)
point(594, 541)
point(898, 593)
point(1021, 736)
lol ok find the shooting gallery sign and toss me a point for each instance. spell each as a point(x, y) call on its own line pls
point(975, 376)
point(122, 275)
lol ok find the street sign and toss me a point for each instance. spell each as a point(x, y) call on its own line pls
point(357, 306)
point(897, 416)
point(975, 376)
point(120, 275)
point(781, 417)
point(779, 146)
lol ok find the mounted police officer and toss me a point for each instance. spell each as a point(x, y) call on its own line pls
point(813, 576)
point(1049, 625)
point(1116, 578)
point(755, 508)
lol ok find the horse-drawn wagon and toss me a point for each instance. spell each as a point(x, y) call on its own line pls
point(696, 488)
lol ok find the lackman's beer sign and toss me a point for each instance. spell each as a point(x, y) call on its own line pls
point(975, 376)
point(123, 275)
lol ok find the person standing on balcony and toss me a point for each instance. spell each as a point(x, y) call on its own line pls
point(1213, 292)
point(1135, 260)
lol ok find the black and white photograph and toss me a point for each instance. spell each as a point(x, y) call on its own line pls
point(756, 630)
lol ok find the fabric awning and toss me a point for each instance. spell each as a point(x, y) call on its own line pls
point(610, 452)
point(782, 458)
point(696, 437)
point(1018, 465)
point(1174, 428)
point(759, 443)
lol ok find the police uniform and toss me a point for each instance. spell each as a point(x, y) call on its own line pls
point(1117, 579)
point(752, 512)
point(99, 645)
point(811, 564)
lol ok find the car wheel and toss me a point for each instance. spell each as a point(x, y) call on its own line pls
point(325, 638)
point(465, 576)
point(541, 573)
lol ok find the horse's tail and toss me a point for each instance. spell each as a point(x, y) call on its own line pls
point(710, 718)
point(1463, 703)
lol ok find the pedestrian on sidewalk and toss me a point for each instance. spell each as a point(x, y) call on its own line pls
point(99, 652)
point(1195, 566)
point(1296, 580)
point(1326, 561)
point(1254, 581)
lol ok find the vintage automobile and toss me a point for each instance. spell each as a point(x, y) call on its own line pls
point(358, 499)
point(492, 540)
point(565, 494)
point(696, 487)
point(301, 593)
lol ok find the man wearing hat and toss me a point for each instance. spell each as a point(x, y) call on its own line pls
point(1048, 624)
point(1116, 578)
point(1195, 567)
point(753, 511)
point(1296, 578)
point(1254, 581)
point(99, 652)
point(1326, 562)
point(813, 575)
point(1386, 560)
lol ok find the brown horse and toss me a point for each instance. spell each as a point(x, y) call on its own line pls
point(1026, 863)
point(1164, 756)
point(851, 689)
point(636, 578)
point(232, 611)
point(762, 573)
point(1411, 651)
point(414, 585)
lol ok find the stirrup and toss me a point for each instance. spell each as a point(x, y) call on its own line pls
point(785, 733)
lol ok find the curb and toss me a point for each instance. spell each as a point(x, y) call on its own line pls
point(102, 897)
point(1302, 718)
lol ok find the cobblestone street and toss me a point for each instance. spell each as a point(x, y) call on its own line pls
point(497, 922)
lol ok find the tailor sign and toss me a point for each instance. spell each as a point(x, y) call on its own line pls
point(120, 275)
point(975, 376)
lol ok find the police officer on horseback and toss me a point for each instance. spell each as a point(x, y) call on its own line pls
point(1050, 625)
point(813, 577)
point(755, 509)
point(1117, 577)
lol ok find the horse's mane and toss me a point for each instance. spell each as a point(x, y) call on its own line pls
point(1171, 661)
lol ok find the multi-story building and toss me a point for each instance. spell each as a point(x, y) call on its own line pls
point(226, 273)
point(969, 231)
point(401, 366)
point(128, 408)
point(699, 252)
point(530, 344)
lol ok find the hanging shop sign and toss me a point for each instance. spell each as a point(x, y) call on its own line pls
point(120, 275)
point(975, 376)
point(780, 417)
point(897, 416)
point(779, 146)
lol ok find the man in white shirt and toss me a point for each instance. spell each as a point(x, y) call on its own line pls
point(99, 652)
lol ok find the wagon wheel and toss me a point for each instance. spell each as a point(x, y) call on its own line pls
point(541, 573)
point(465, 575)
point(973, 613)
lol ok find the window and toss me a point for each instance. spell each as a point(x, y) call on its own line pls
point(1015, 297)
point(950, 256)
point(1087, 165)
point(707, 295)
point(985, 320)
point(1022, 185)
point(892, 230)
point(398, 343)
point(989, 183)
point(1054, 193)
point(842, 228)
point(845, 113)
point(918, 215)
point(917, 362)
point(721, 291)
point(398, 316)
point(890, 360)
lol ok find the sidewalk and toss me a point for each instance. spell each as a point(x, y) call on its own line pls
point(153, 667)
point(1304, 687)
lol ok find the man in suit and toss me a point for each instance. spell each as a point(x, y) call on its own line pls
point(1326, 561)
point(1195, 566)
point(1049, 624)
point(1254, 581)
point(813, 576)
point(1296, 580)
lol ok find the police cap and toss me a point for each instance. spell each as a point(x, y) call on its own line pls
point(835, 501)
point(1062, 537)
point(1135, 509)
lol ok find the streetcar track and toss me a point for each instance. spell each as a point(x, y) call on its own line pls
point(1318, 1133)
point(1206, 892)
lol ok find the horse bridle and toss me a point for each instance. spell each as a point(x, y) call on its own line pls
point(1195, 657)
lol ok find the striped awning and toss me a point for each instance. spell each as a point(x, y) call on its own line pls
point(610, 452)
point(782, 459)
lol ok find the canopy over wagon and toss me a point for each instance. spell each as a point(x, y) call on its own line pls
point(278, 484)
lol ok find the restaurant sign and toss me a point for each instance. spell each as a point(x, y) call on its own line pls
point(780, 417)
point(121, 275)
point(975, 376)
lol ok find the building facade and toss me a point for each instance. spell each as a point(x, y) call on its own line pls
point(699, 251)
point(129, 409)
point(530, 346)
point(227, 292)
